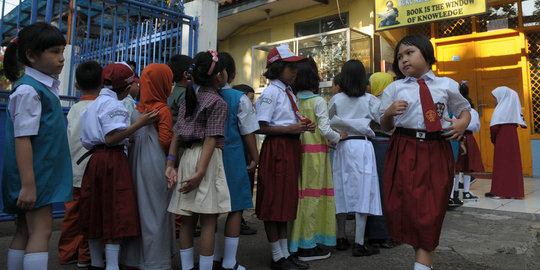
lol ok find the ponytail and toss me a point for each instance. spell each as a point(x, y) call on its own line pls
point(12, 67)
point(191, 97)
point(464, 91)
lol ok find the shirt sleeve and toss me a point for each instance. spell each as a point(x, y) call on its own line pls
point(456, 102)
point(474, 125)
point(387, 98)
point(217, 116)
point(375, 109)
point(114, 116)
point(25, 111)
point(247, 118)
point(265, 105)
point(321, 111)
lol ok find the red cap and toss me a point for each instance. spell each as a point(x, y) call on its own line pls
point(282, 53)
point(120, 75)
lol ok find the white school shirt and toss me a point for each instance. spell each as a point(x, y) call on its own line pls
point(104, 115)
point(274, 107)
point(74, 139)
point(320, 108)
point(352, 115)
point(474, 125)
point(445, 94)
point(25, 106)
point(247, 118)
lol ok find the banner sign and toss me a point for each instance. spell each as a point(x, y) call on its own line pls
point(391, 14)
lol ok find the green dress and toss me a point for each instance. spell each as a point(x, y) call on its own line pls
point(315, 219)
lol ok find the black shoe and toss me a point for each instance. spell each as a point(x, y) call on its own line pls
point(455, 202)
point(234, 268)
point(363, 250)
point(312, 254)
point(342, 244)
point(95, 268)
point(216, 265)
point(492, 196)
point(389, 243)
point(469, 197)
point(283, 264)
point(298, 263)
point(246, 230)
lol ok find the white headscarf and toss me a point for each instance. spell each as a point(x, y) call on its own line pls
point(508, 109)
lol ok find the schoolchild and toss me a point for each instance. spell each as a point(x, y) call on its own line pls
point(200, 187)
point(335, 84)
point(129, 101)
point(469, 158)
point(179, 65)
point(147, 159)
point(72, 246)
point(108, 201)
point(419, 165)
point(240, 125)
point(314, 222)
point(376, 232)
point(37, 164)
point(507, 179)
point(248, 90)
point(356, 186)
point(277, 182)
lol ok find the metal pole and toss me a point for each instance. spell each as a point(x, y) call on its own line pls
point(60, 15)
point(73, 8)
point(49, 11)
point(2, 20)
point(34, 11)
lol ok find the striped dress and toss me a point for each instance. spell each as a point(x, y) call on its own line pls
point(315, 220)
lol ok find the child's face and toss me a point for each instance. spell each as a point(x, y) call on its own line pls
point(222, 78)
point(251, 97)
point(50, 62)
point(335, 88)
point(411, 61)
point(289, 74)
point(125, 93)
point(134, 89)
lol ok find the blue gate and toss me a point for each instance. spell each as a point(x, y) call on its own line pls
point(146, 32)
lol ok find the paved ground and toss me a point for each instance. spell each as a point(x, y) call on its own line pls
point(471, 239)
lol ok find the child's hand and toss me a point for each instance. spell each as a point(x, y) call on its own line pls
point(27, 197)
point(252, 165)
point(343, 135)
point(147, 118)
point(171, 175)
point(297, 128)
point(189, 184)
point(463, 147)
point(311, 127)
point(397, 108)
point(456, 129)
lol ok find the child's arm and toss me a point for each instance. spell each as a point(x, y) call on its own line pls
point(397, 108)
point(170, 172)
point(24, 157)
point(116, 136)
point(193, 182)
point(297, 128)
point(321, 112)
point(463, 147)
point(251, 143)
point(458, 126)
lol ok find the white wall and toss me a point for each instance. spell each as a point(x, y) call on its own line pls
point(207, 12)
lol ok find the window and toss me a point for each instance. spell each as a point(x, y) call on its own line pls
point(530, 10)
point(321, 25)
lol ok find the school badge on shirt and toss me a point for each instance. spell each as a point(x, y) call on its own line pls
point(440, 109)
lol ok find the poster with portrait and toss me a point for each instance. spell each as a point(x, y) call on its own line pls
point(391, 14)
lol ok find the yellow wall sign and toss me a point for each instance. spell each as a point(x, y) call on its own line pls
point(400, 13)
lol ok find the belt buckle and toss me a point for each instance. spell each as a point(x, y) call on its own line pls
point(420, 135)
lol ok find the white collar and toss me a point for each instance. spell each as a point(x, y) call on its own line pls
point(108, 92)
point(279, 84)
point(41, 77)
point(429, 76)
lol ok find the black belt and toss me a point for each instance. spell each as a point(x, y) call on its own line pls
point(380, 134)
point(420, 134)
point(99, 146)
point(356, 138)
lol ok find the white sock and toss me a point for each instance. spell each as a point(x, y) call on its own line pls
point(186, 257)
point(206, 262)
point(229, 252)
point(276, 251)
point(96, 252)
point(341, 220)
point(419, 266)
point(111, 255)
point(455, 186)
point(361, 220)
point(15, 259)
point(466, 183)
point(36, 261)
point(284, 248)
point(217, 254)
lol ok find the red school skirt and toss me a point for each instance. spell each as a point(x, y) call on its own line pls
point(417, 180)
point(472, 161)
point(277, 182)
point(507, 178)
point(108, 202)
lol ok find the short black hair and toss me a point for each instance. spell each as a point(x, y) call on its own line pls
point(179, 64)
point(353, 78)
point(230, 65)
point(422, 43)
point(307, 77)
point(337, 79)
point(274, 70)
point(88, 75)
point(244, 88)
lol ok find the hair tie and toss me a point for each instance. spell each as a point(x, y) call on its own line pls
point(215, 59)
point(15, 40)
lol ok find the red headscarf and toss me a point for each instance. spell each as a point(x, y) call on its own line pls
point(156, 86)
